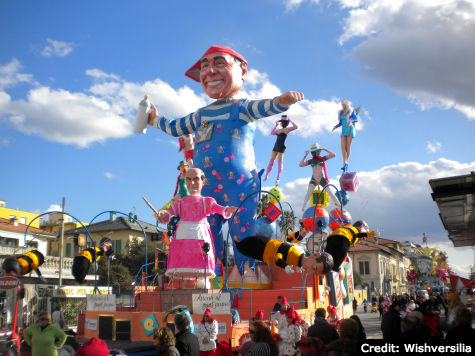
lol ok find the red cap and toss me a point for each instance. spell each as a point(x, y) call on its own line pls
point(95, 346)
point(194, 71)
point(208, 313)
point(260, 314)
point(284, 301)
point(331, 309)
point(291, 313)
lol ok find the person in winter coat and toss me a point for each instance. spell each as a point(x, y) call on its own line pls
point(262, 343)
point(321, 329)
point(463, 331)
point(347, 344)
point(164, 342)
point(207, 332)
point(186, 342)
point(279, 318)
point(291, 335)
point(391, 322)
point(44, 338)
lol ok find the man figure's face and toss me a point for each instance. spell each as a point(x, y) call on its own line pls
point(194, 183)
point(310, 264)
point(221, 76)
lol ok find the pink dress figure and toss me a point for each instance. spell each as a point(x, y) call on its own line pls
point(186, 258)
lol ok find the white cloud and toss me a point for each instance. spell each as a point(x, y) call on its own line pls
point(10, 76)
point(65, 117)
point(57, 48)
point(107, 108)
point(110, 176)
point(433, 147)
point(101, 75)
point(422, 49)
point(316, 116)
point(293, 4)
point(396, 200)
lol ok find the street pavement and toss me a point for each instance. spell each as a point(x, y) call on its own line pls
point(371, 322)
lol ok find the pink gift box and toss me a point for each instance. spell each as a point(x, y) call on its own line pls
point(349, 181)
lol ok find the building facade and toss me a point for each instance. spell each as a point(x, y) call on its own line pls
point(120, 230)
point(382, 265)
point(21, 217)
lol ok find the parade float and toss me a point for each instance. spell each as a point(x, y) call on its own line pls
point(428, 270)
point(222, 186)
point(233, 296)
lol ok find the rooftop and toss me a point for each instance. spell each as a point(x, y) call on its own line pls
point(5, 224)
point(455, 198)
point(120, 223)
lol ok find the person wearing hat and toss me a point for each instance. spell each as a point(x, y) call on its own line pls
point(95, 346)
point(346, 119)
point(207, 332)
point(44, 338)
point(279, 319)
point(319, 171)
point(333, 318)
point(274, 252)
point(224, 135)
point(291, 334)
point(259, 315)
point(186, 342)
point(279, 146)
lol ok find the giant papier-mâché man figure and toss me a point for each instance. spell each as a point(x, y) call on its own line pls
point(224, 137)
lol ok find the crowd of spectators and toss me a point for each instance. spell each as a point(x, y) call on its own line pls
point(404, 319)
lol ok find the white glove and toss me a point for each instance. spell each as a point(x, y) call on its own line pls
point(289, 269)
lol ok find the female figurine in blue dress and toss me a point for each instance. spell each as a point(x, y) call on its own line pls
point(346, 119)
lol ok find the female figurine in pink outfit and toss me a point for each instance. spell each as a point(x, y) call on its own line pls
point(186, 257)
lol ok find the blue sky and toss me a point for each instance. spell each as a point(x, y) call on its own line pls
point(72, 74)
